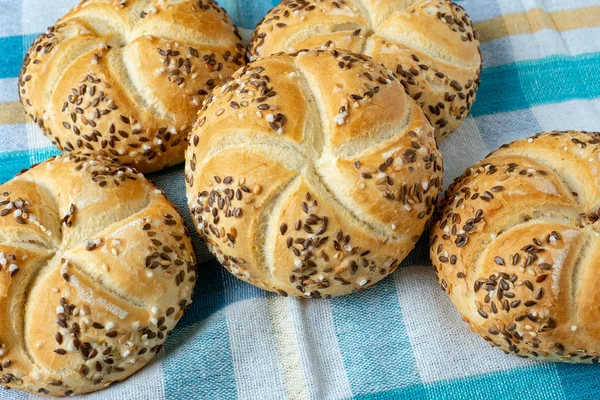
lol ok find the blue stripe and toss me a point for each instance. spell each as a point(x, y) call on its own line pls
point(416, 392)
point(247, 14)
point(12, 50)
point(497, 52)
point(540, 381)
point(496, 130)
point(537, 382)
point(580, 381)
point(37, 156)
point(481, 12)
point(15, 161)
point(203, 367)
point(530, 83)
point(373, 340)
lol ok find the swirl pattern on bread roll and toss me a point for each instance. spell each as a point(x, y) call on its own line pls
point(312, 175)
point(96, 268)
point(516, 246)
point(429, 44)
point(124, 79)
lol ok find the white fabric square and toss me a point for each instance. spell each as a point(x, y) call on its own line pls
point(464, 148)
point(322, 361)
point(574, 114)
point(37, 15)
point(256, 365)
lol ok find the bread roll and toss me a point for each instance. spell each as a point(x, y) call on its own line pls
point(429, 44)
point(124, 79)
point(516, 244)
point(96, 268)
point(312, 175)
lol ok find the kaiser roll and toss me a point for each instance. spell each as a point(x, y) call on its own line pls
point(312, 175)
point(96, 268)
point(517, 244)
point(124, 79)
point(430, 45)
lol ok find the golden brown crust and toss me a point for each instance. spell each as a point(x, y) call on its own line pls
point(88, 292)
point(312, 175)
point(125, 81)
point(429, 44)
point(516, 243)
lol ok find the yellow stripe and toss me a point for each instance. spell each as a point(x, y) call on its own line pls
point(12, 113)
point(287, 349)
point(537, 19)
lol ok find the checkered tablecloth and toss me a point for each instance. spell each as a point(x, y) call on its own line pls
point(401, 339)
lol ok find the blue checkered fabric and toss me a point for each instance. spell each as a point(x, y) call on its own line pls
point(401, 339)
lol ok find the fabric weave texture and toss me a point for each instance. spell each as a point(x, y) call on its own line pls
point(402, 339)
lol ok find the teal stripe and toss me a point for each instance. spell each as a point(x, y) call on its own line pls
point(504, 88)
point(198, 362)
point(579, 381)
point(375, 348)
point(12, 51)
point(548, 80)
point(12, 163)
point(416, 392)
point(247, 14)
point(538, 382)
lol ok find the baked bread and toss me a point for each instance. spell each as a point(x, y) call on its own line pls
point(96, 268)
point(516, 244)
point(430, 45)
point(124, 79)
point(312, 175)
